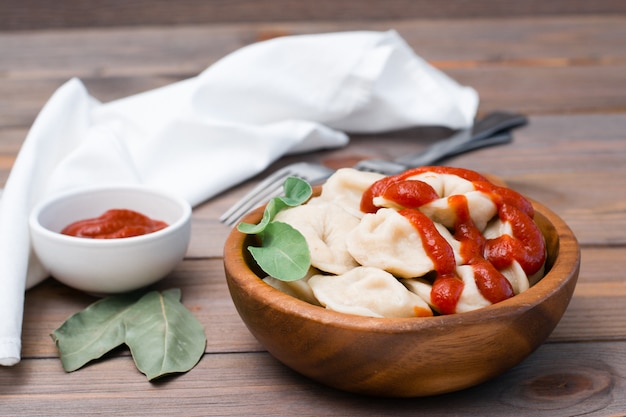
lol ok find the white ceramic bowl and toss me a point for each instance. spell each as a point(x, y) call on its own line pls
point(106, 266)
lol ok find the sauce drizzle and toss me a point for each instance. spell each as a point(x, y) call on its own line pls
point(487, 257)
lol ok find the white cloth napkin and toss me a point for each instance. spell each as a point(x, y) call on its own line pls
point(200, 136)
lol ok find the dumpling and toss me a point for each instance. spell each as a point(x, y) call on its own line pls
point(445, 184)
point(503, 246)
point(419, 286)
point(471, 298)
point(517, 277)
point(388, 241)
point(325, 227)
point(497, 228)
point(481, 209)
point(345, 188)
point(368, 292)
point(442, 210)
point(299, 288)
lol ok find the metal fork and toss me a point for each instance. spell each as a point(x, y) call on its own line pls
point(491, 130)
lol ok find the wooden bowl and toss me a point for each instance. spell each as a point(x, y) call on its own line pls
point(407, 357)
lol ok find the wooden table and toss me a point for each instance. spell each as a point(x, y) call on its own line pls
point(566, 72)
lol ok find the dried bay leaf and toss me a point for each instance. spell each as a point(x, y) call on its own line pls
point(91, 333)
point(163, 336)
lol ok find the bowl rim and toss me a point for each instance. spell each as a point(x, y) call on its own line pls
point(559, 274)
point(37, 227)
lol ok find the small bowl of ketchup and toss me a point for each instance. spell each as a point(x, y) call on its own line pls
point(111, 239)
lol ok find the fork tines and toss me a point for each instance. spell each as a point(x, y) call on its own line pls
point(272, 187)
point(267, 189)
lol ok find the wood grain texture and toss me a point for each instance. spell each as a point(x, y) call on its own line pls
point(534, 65)
point(552, 60)
point(204, 294)
point(558, 379)
point(33, 14)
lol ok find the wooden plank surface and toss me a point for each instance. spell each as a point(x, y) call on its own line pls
point(33, 14)
point(557, 380)
point(531, 65)
point(566, 72)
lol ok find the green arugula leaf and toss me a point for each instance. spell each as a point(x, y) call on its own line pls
point(271, 209)
point(284, 253)
point(297, 191)
point(163, 336)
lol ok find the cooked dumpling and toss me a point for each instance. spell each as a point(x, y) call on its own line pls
point(471, 298)
point(454, 244)
point(299, 288)
point(325, 227)
point(445, 184)
point(387, 240)
point(497, 228)
point(420, 287)
point(480, 206)
point(516, 276)
point(530, 254)
point(368, 292)
point(345, 188)
point(443, 210)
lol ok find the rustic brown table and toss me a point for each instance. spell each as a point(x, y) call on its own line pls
point(567, 72)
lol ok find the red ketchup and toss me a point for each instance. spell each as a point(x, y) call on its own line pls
point(486, 256)
point(114, 224)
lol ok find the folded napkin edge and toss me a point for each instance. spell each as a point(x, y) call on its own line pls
point(10, 351)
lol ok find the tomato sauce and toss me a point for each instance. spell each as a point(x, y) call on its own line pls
point(486, 256)
point(114, 224)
